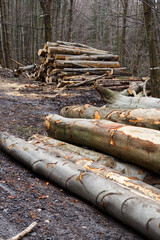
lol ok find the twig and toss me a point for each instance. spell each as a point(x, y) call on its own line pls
point(17, 62)
point(144, 87)
point(87, 81)
point(59, 92)
point(24, 232)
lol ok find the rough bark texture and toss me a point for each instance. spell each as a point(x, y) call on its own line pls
point(131, 208)
point(133, 144)
point(149, 118)
point(117, 100)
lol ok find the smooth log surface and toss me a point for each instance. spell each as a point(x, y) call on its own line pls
point(131, 208)
point(138, 145)
point(149, 118)
point(117, 100)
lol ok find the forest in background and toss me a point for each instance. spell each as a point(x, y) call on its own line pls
point(114, 25)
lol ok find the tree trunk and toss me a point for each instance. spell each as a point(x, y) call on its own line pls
point(120, 202)
point(148, 6)
point(45, 5)
point(149, 118)
point(138, 145)
point(124, 27)
point(117, 100)
point(5, 35)
point(69, 36)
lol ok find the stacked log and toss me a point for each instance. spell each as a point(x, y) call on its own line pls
point(69, 64)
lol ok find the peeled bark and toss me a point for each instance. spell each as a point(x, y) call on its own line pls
point(130, 207)
point(81, 63)
point(149, 118)
point(138, 145)
point(117, 100)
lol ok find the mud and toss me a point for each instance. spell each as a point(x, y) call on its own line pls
point(26, 197)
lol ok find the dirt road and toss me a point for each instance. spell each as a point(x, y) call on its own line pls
point(26, 197)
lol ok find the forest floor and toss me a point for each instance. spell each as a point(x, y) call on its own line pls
point(26, 197)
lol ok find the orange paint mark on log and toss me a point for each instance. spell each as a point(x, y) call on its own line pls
point(111, 141)
point(47, 124)
point(97, 115)
point(141, 171)
point(110, 114)
point(61, 143)
point(79, 178)
point(11, 146)
point(100, 158)
point(57, 121)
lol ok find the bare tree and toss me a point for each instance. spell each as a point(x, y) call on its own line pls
point(46, 7)
point(149, 12)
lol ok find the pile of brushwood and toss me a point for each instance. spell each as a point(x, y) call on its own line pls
point(74, 64)
point(123, 152)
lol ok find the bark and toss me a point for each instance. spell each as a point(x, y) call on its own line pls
point(124, 28)
point(122, 203)
point(138, 145)
point(117, 100)
point(70, 21)
point(74, 51)
point(81, 63)
point(149, 118)
point(95, 57)
point(97, 71)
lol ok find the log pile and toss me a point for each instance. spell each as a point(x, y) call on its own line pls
point(122, 178)
point(73, 63)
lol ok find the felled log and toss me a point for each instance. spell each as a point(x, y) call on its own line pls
point(42, 52)
point(117, 100)
point(50, 79)
point(81, 63)
point(97, 71)
point(76, 44)
point(133, 209)
point(74, 51)
point(81, 155)
point(149, 118)
point(138, 145)
point(103, 57)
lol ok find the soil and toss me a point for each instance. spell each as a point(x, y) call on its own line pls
point(26, 197)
